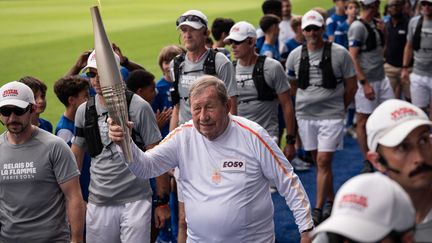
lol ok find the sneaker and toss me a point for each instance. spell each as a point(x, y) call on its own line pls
point(299, 164)
point(327, 209)
point(316, 216)
point(352, 132)
point(367, 167)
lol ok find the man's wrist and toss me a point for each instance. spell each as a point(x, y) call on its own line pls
point(160, 201)
point(290, 139)
point(125, 61)
point(362, 81)
point(405, 66)
point(307, 230)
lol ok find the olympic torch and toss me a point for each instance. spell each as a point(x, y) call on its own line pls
point(112, 86)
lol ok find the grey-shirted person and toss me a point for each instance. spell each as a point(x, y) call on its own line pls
point(40, 196)
point(366, 49)
point(251, 104)
point(119, 204)
point(193, 27)
point(419, 44)
point(325, 84)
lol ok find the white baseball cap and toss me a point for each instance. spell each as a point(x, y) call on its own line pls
point(368, 2)
point(193, 18)
point(240, 31)
point(430, 1)
point(368, 207)
point(392, 121)
point(91, 61)
point(16, 94)
point(312, 17)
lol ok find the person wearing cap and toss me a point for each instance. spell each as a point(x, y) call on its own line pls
point(119, 204)
point(193, 30)
point(40, 196)
point(263, 110)
point(226, 164)
point(366, 43)
point(323, 76)
point(400, 146)
point(419, 46)
point(369, 208)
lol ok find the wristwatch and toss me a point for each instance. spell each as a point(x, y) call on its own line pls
point(362, 81)
point(290, 139)
point(158, 201)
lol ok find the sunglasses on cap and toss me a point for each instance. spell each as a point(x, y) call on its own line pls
point(424, 4)
point(312, 27)
point(191, 18)
point(7, 111)
point(91, 74)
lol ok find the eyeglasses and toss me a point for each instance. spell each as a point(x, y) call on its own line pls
point(424, 4)
point(7, 111)
point(91, 74)
point(312, 27)
point(192, 18)
point(237, 42)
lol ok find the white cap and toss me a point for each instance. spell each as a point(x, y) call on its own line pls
point(430, 1)
point(190, 18)
point(392, 121)
point(91, 61)
point(16, 94)
point(367, 2)
point(240, 31)
point(368, 207)
point(312, 17)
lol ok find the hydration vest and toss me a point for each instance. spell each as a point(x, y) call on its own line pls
point(371, 42)
point(265, 92)
point(417, 34)
point(209, 67)
point(91, 127)
point(329, 80)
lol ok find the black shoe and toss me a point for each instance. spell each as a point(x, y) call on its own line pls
point(307, 157)
point(367, 167)
point(327, 209)
point(316, 216)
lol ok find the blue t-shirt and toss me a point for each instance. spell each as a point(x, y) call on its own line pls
point(270, 51)
point(163, 100)
point(341, 34)
point(65, 129)
point(45, 125)
point(290, 45)
point(333, 22)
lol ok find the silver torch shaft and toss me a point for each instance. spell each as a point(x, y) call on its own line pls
point(112, 86)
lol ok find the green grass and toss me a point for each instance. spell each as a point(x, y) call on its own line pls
point(43, 38)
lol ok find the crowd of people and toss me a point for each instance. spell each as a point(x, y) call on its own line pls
point(237, 112)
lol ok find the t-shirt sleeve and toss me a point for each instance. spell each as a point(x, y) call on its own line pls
point(79, 123)
point(290, 64)
point(63, 162)
point(225, 72)
point(357, 34)
point(144, 120)
point(276, 76)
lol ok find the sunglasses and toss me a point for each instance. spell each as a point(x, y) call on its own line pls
point(237, 42)
point(191, 18)
point(424, 3)
point(91, 74)
point(312, 27)
point(7, 111)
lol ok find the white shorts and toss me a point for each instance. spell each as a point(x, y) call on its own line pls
point(324, 135)
point(129, 222)
point(383, 91)
point(421, 90)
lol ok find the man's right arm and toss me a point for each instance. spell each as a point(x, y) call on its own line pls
point(174, 117)
point(79, 155)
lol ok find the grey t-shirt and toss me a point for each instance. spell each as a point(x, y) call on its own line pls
point(32, 205)
point(111, 182)
point(422, 57)
point(191, 71)
point(371, 62)
point(264, 113)
point(315, 102)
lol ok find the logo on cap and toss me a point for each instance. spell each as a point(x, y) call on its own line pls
point(402, 112)
point(354, 201)
point(10, 92)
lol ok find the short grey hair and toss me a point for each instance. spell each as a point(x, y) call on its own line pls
point(206, 81)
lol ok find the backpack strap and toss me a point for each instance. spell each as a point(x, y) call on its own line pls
point(417, 34)
point(303, 76)
point(209, 66)
point(140, 143)
point(328, 78)
point(265, 92)
point(178, 60)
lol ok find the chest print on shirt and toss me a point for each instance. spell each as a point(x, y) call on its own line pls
point(232, 165)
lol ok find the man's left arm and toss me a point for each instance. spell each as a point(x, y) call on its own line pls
point(350, 90)
point(75, 208)
point(225, 72)
point(288, 114)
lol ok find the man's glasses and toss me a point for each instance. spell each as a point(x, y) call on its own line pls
point(424, 4)
point(397, 4)
point(91, 74)
point(7, 111)
point(312, 27)
point(237, 42)
point(191, 18)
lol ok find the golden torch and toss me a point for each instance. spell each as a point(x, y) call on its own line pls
point(112, 86)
